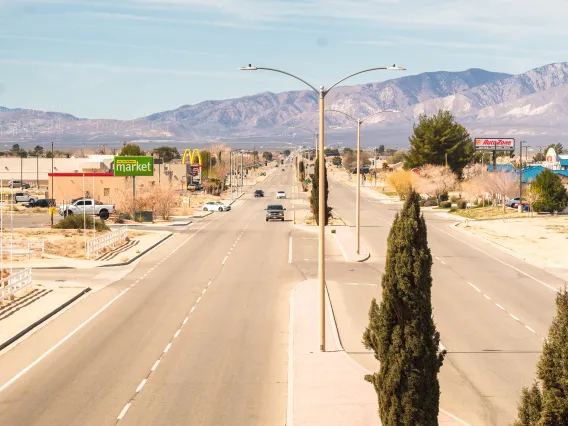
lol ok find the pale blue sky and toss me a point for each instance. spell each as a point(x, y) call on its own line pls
point(124, 58)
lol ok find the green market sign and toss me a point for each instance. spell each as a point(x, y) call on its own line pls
point(133, 166)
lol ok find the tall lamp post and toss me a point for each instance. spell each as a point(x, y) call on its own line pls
point(521, 172)
point(51, 209)
point(359, 121)
point(322, 93)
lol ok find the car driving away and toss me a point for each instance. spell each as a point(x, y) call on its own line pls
point(216, 206)
point(259, 193)
point(275, 212)
point(281, 194)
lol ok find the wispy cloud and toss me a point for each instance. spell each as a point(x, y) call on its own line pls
point(116, 68)
point(107, 44)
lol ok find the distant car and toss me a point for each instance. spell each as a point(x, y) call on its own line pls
point(280, 194)
point(87, 206)
point(513, 202)
point(195, 186)
point(216, 206)
point(275, 212)
point(18, 184)
point(259, 193)
point(44, 202)
point(263, 173)
point(23, 197)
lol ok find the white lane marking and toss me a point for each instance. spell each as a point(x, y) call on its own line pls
point(204, 290)
point(141, 385)
point(224, 260)
point(498, 260)
point(290, 250)
point(177, 333)
point(209, 283)
point(441, 261)
point(192, 309)
point(155, 365)
point(185, 320)
point(500, 307)
point(290, 405)
point(441, 346)
point(167, 347)
point(530, 329)
point(474, 287)
point(487, 297)
point(123, 412)
point(54, 347)
point(306, 260)
point(514, 317)
point(198, 300)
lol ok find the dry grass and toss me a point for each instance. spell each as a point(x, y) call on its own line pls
point(557, 228)
point(489, 213)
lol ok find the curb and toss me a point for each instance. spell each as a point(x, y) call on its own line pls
point(43, 319)
point(139, 255)
point(106, 266)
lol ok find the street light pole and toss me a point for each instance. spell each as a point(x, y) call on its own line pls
point(52, 185)
point(358, 199)
point(321, 92)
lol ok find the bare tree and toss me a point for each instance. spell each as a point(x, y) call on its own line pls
point(472, 171)
point(501, 184)
point(435, 180)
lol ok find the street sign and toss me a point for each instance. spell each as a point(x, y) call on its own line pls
point(194, 170)
point(133, 166)
point(495, 144)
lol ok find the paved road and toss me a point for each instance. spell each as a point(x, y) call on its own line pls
point(491, 309)
point(230, 277)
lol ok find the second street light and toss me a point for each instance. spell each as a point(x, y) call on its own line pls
point(359, 121)
point(312, 132)
point(322, 93)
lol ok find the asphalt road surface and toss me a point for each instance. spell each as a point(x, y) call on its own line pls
point(491, 309)
point(196, 334)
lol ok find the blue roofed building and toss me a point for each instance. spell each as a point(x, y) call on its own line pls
point(501, 167)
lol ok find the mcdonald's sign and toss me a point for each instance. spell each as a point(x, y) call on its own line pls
point(192, 156)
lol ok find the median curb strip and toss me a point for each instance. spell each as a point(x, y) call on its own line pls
point(43, 319)
point(138, 256)
point(508, 251)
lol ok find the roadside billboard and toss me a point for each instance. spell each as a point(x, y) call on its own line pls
point(495, 144)
point(133, 166)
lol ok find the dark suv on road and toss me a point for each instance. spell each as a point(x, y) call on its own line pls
point(275, 212)
point(259, 193)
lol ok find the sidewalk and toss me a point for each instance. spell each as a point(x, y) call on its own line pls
point(346, 240)
point(327, 388)
point(42, 302)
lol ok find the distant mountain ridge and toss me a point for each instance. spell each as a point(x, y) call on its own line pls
point(481, 100)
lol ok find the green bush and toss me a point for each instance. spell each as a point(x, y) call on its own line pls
point(125, 216)
point(430, 203)
point(462, 204)
point(453, 199)
point(77, 221)
point(446, 204)
point(444, 196)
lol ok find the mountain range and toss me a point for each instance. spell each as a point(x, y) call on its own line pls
point(531, 105)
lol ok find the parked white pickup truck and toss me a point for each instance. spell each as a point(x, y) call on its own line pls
point(88, 206)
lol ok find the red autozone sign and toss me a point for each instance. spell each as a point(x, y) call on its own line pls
point(495, 144)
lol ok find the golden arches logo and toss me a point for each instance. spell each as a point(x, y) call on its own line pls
point(192, 156)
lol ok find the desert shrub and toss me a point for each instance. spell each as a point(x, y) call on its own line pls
point(446, 204)
point(453, 199)
point(430, 203)
point(462, 204)
point(444, 196)
point(77, 221)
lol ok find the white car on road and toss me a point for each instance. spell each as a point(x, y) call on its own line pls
point(215, 206)
point(24, 197)
point(281, 194)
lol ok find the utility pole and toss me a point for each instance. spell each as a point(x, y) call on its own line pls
point(231, 172)
point(51, 209)
point(242, 173)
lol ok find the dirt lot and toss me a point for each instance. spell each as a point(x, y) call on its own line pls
point(58, 242)
point(542, 239)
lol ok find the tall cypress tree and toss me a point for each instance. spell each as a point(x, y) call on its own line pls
point(314, 196)
point(401, 329)
point(549, 406)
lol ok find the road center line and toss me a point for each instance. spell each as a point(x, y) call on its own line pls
point(141, 385)
point(500, 307)
point(198, 300)
point(514, 317)
point(177, 333)
point(167, 347)
point(224, 260)
point(155, 365)
point(123, 412)
point(478, 290)
point(290, 249)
